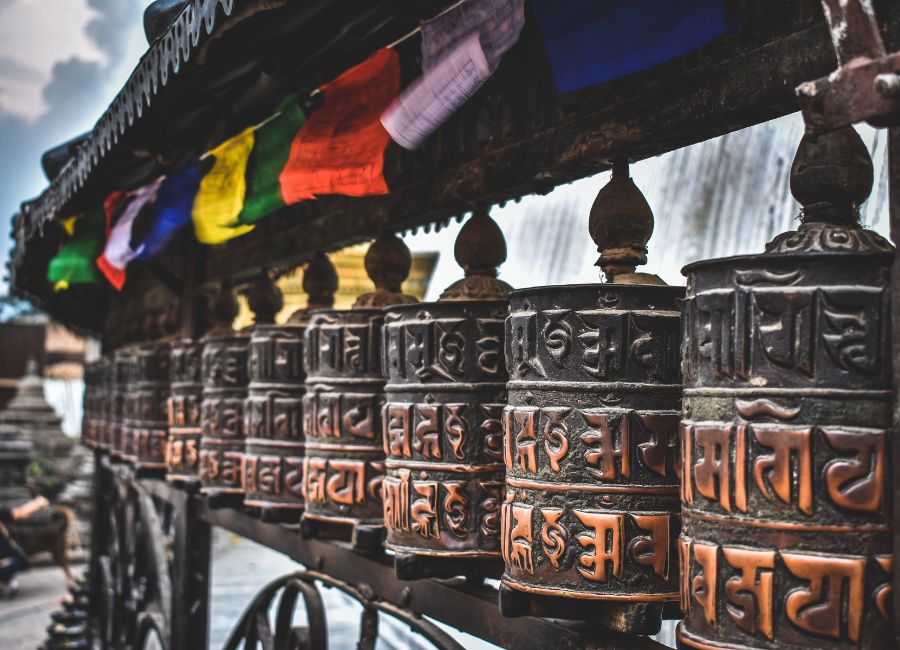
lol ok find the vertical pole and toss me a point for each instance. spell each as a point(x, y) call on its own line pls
point(893, 42)
point(190, 588)
point(894, 189)
point(99, 536)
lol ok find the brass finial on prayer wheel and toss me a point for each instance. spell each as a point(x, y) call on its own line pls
point(264, 298)
point(388, 262)
point(480, 248)
point(831, 176)
point(621, 224)
point(223, 309)
point(320, 282)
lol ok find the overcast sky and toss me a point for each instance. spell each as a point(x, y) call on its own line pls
point(61, 63)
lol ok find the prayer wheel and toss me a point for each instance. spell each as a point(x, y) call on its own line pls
point(786, 426)
point(442, 434)
point(106, 403)
point(99, 401)
point(273, 462)
point(344, 463)
point(122, 405)
point(150, 392)
point(92, 371)
point(590, 516)
point(224, 369)
point(183, 412)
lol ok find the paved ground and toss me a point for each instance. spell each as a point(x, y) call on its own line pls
point(23, 620)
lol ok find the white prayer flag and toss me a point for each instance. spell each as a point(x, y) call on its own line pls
point(460, 51)
point(435, 96)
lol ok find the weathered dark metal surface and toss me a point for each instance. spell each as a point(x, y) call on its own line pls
point(255, 629)
point(445, 396)
point(866, 85)
point(273, 462)
point(786, 432)
point(183, 411)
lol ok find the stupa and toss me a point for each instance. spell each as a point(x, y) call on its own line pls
point(35, 418)
point(15, 455)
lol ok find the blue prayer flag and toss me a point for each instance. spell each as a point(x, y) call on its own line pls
point(589, 42)
point(174, 203)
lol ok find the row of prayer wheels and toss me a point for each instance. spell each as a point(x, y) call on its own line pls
point(616, 449)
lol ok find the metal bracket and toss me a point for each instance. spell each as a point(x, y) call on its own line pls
point(866, 84)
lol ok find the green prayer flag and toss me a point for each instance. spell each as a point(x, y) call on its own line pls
point(74, 263)
point(271, 149)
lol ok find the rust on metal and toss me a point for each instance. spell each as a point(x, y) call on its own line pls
point(786, 426)
point(866, 84)
point(444, 400)
point(590, 513)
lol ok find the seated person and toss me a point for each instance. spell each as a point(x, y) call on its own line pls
point(12, 559)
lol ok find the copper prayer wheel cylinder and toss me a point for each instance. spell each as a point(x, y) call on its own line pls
point(123, 406)
point(445, 393)
point(149, 392)
point(224, 370)
point(273, 412)
point(344, 463)
point(590, 516)
point(183, 412)
point(89, 402)
point(786, 427)
point(105, 403)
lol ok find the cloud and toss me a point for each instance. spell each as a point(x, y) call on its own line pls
point(77, 92)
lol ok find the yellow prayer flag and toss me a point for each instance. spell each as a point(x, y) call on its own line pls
point(220, 198)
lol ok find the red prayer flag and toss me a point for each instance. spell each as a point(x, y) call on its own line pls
point(340, 149)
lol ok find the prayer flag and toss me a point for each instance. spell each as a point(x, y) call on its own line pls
point(340, 149)
point(74, 263)
point(271, 148)
point(460, 51)
point(122, 208)
point(172, 208)
point(220, 197)
point(590, 42)
point(497, 23)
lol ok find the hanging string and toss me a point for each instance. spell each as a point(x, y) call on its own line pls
point(418, 29)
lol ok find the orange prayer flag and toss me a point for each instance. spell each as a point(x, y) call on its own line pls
point(340, 149)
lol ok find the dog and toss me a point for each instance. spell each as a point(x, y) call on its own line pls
point(48, 534)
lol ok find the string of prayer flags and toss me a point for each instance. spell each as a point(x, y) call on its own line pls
point(220, 197)
point(461, 49)
point(122, 208)
point(591, 42)
point(173, 207)
point(272, 146)
point(74, 263)
point(340, 149)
